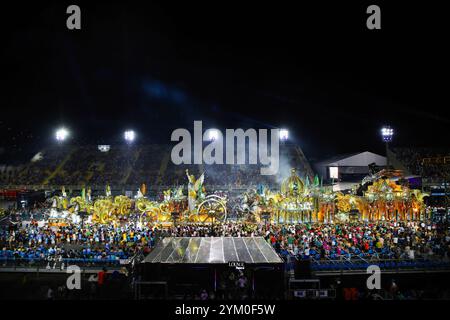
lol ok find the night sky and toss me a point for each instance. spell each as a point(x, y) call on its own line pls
point(312, 68)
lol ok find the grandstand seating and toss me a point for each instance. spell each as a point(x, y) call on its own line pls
point(136, 164)
point(413, 158)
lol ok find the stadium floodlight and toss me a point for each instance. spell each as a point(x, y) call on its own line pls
point(213, 134)
point(284, 134)
point(129, 135)
point(104, 147)
point(387, 133)
point(61, 134)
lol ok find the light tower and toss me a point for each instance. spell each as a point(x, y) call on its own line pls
point(213, 134)
point(284, 134)
point(387, 133)
point(61, 134)
point(129, 136)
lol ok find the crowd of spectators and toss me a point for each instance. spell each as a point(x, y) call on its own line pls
point(132, 165)
point(147, 166)
point(34, 171)
point(387, 240)
point(382, 240)
point(28, 240)
point(412, 158)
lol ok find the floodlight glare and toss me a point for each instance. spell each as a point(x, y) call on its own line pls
point(104, 147)
point(129, 135)
point(61, 134)
point(284, 134)
point(213, 134)
point(387, 133)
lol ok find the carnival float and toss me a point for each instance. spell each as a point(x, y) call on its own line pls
point(297, 201)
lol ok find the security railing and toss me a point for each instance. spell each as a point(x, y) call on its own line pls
point(54, 264)
point(386, 264)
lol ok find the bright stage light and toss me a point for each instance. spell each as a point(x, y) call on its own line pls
point(387, 133)
point(61, 134)
point(104, 147)
point(213, 134)
point(129, 135)
point(284, 134)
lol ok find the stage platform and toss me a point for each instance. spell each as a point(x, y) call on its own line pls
point(186, 265)
point(213, 250)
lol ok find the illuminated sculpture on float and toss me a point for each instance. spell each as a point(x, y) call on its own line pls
point(384, 200)
point(301, 202)
point(298, 201)
point(195, 189)
point(327, 206)
point(195, 207)
point(388, 200)
point(174, 201)
point(148, 210)
point(109, 209)
point(349, 208)
point(250, 205)
point(64, 210)
point(205, 209)
point(57, 215)
point(60, 202)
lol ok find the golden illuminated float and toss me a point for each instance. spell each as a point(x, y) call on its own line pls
point(297, 201)
point(384, 200)
point(301, 202)
point(294, 203)
point(388, 200)
point(196, 207)
point(201, 207)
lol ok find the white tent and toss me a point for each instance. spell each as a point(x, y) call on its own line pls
point(356, 163)
point(362, 159)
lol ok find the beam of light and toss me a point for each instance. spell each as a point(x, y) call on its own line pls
point(129, 135)
point(213, 134)
point(61, 134)
point(284, 134)
point(104, 147)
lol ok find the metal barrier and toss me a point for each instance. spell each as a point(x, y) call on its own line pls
point(17, 263)
point(387, 264)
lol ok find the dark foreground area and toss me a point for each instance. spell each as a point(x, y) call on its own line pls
point(396, 285)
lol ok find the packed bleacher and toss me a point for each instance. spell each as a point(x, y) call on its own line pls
point(415, 159)
point(132, 165)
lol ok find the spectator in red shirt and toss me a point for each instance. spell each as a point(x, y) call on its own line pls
point(101, 277)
